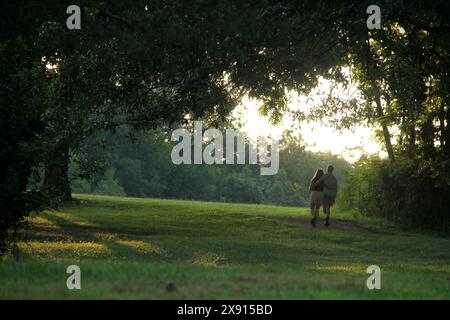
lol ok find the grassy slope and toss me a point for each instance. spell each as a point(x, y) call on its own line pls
point(156, 249)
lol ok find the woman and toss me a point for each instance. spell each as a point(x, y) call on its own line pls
point(316, 195)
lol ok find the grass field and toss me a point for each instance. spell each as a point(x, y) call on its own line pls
point(165, 249)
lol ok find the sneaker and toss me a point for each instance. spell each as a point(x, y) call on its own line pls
point(327, 222)
point(313, 221)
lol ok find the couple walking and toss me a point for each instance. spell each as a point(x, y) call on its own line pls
point(323, 189)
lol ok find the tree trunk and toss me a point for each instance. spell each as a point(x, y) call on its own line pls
point(57, 171)
point(412, 135)
point(427, 137)
point(386, 133)
point(379, 108)
point(411, 127)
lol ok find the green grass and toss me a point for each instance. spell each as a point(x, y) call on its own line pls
point(162, 249)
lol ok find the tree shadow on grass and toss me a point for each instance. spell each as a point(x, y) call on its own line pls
point(54, 232)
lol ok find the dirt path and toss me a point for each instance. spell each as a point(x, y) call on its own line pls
point(334, 224)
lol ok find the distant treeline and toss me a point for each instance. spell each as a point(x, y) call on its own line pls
point(141, 167)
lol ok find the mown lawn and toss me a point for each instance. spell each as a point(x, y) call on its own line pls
point(162, 249)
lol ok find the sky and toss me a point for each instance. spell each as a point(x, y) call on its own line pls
point(350, 145)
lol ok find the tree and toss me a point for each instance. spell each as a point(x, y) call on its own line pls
point(24, 96)
point(150, 65)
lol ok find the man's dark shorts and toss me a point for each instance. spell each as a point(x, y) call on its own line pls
point(327, 200)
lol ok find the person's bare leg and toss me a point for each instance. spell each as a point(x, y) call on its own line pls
point(314, 213)
point(318, 209)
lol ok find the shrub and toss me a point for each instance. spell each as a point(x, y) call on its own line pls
point(411, 191)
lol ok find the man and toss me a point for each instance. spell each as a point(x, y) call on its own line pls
point(329, 192)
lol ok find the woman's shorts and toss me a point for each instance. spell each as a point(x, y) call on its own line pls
point(316, 197)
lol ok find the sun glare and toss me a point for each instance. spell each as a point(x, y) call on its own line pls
point(319, 138)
